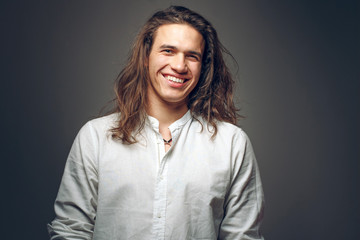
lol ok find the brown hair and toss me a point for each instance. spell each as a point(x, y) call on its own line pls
point(212, 98)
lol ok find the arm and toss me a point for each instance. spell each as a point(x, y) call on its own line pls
point(244, 202)
point(76, 202)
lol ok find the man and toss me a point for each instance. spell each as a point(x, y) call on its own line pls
point(168, 163)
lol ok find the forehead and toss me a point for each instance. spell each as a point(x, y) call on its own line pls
point(181, 36)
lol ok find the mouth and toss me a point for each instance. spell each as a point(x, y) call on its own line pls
point(175, 79)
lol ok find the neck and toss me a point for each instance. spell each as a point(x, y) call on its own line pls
point(166, 113)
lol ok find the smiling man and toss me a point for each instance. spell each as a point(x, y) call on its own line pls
point(169, 162)
point(174, 71)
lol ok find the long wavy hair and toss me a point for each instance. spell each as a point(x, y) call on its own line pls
point(211, 99)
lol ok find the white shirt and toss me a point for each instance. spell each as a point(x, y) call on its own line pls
point(202, 188)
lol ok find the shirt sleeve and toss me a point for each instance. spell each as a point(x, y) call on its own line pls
point(76, 202)
point(244, 202)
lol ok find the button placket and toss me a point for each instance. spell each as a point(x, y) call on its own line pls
point(160, 195)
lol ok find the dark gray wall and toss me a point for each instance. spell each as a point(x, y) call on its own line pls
point(297, 83)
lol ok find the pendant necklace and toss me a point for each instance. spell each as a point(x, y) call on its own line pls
point(168, 141)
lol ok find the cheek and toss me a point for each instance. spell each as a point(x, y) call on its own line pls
point(159, 59)
point(196, 70)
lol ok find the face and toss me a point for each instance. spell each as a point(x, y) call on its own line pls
point(174, 64)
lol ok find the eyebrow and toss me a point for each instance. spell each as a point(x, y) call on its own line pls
point(175, 48)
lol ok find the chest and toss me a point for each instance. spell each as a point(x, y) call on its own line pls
point(188, 170)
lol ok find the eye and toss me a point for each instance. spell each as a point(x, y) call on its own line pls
point(167, 51)
point(193, 57)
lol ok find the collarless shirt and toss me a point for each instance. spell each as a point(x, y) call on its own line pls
point(201, 188)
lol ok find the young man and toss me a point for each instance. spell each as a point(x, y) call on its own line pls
point(169, 162)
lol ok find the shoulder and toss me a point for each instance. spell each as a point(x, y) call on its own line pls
point(233, 133)
point(99, 127)
point(105, 122)
point(230, 128)
point(225, 130)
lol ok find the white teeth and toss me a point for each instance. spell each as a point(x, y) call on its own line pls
point(174, 79)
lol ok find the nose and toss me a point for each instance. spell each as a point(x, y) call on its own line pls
point(178, 63)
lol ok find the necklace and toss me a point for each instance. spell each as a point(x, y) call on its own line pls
point(167, 141)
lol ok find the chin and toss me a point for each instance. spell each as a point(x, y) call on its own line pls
point(175, 100)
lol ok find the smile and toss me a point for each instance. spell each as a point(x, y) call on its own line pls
point(174, 79)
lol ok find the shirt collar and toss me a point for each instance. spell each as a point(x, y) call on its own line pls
point(175, 125)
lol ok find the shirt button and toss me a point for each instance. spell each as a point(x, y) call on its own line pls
point(159, 215)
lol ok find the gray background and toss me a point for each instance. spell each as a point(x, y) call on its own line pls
point(297, 85)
